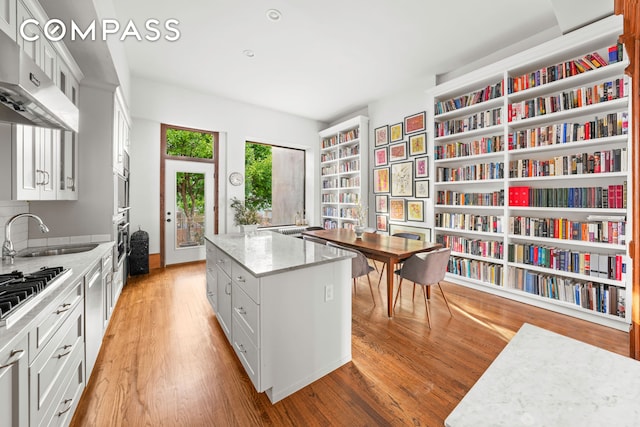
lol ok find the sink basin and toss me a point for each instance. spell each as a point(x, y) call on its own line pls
point(56, 250)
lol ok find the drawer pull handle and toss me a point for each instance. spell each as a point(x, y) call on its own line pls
point(241, 348)
point(240, 279)
point(242, 311)
point(228, 286)
point(18, 353)
point(221, 261)
point(64, 307)
point(60, 356)
point(68, 407)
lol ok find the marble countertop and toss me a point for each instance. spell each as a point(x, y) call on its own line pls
point(545, 379)
point(266, 252)
point(79, 263)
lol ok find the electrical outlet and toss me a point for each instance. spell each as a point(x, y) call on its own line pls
point(328, 293)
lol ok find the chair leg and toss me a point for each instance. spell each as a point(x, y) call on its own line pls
point(397, 294)
point(426, 304)
point(413, 296)
point(445, 299)
point(371, 289)
point(354, 286)
point(381, 273)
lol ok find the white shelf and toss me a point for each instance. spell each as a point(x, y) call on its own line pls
point(595, 37)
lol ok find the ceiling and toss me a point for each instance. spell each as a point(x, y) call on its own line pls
point(325, 59)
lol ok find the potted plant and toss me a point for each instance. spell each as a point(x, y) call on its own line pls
point(361, 215)
point(245, 215)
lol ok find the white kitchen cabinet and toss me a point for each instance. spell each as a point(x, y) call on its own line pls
point(35, 163)
point(14, 383)
point(284, 328)
point(93, 315)
point(107, 286)
point(8, 17)
point(32, 48)
point(212, 282)
point(120, 133)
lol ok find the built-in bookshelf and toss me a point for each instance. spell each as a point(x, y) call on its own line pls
point(343, 172)
point(532, 160)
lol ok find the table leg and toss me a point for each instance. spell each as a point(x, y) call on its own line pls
point(391, 268)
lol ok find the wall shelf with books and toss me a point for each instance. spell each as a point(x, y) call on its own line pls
point(343, 172)
point(550, 157)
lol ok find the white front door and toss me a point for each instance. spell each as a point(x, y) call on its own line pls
point(189, 206)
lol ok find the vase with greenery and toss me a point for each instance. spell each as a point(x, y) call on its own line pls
point(245, 214)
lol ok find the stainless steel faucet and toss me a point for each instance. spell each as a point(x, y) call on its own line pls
point(8, 253)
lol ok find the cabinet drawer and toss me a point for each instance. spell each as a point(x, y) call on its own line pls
point(211, 253)
point(248, 282)
point(52, 317)
point(247, 353)
point(212, 289)
point(46, 374)
point(14, 383)
point(247, 313)
point(223, 261)
point(62, 412)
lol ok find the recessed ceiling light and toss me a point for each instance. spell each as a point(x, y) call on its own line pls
point(248, 53)
point(274, 15)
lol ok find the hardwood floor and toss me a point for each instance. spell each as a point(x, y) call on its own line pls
point(165, 361)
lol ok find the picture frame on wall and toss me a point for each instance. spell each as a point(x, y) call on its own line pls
point(398, 151)
point(415, 210)
point(381, 180)
point(382, 204)
point(423, 232)
point(421, 189)
point(397, 210)
point(382, 223)
point(396, 132)
point(422, 167)
point(380, 157)
point(381, 135)
point(418, 144)
point(415, 122)
point(402, 179)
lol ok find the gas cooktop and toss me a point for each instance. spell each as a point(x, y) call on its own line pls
point(20, 292)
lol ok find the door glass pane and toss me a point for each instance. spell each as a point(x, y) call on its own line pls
point(189, 210)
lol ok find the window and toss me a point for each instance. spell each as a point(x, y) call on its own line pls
point(275, 182)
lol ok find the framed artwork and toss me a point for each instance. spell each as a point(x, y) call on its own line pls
point(396, 132)
point(415, 210)
point(422, 167)
point(382, 222)
point(418, 144)
point(381, 180)
point(397, 210)
point(423, 232)
point(421, 189)
point(382, 204)
point(415, 123)
point(380, 157)
point(402, 179)
point(398, 151)
point(381, 135)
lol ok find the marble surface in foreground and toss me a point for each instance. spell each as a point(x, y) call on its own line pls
point(545, 379)
point(266, 252)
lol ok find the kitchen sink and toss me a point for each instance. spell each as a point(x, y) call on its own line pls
point(56, 250)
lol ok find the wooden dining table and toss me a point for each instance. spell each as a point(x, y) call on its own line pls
point(388, 249)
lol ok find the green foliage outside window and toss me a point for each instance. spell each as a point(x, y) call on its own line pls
point(185, 143)
point(257, 188)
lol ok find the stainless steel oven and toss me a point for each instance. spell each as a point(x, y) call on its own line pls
point(121, 232)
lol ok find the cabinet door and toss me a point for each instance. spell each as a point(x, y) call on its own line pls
point(118, 156)
point(28, 176)
point(50, 61)
point(8, 18)
point(67, 166)
point(48, 162)
point(14, 383)
point(224, 301)
point(32, 48)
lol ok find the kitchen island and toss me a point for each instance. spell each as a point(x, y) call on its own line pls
point(284, 304)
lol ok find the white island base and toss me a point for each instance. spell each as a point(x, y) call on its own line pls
point(284, 304)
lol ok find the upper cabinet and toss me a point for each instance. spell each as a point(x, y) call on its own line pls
point(120, 134)
point(8, 17)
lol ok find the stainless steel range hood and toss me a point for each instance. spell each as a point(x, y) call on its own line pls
point(27, 95)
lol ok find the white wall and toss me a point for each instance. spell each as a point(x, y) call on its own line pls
point(154, 103)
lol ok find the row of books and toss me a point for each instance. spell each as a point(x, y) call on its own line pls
point(329, 211)
point(602, 231)
point(348, 213)
point(330, 224)
point(568, 100)
point(328, 157)
point(611, 125)
point(604, 161)
point(479, 270)
point(489, 144)
point(329, 170)
point(478, 171)
point(349, 198)
point(495, 198)
point(350, 166)
point(329, 198)
point(353, 150)
point(350, 182)
point(329, 142)
point(610, 197)
point(482, 95)
point(607, 266)
point(471, 222)
point(589, 295)
point(483, 248)
point(350, 135)
point(552, 73)
point(330, 183)
point(476, 121)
